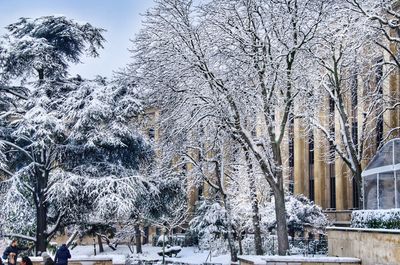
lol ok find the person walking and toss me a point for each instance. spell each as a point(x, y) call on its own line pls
point(62, 255)
point(11, 253)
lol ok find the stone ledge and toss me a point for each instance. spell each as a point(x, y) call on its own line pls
point(364, 230)
point(297, 260)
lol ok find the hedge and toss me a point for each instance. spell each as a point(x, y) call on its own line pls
point(383, 219)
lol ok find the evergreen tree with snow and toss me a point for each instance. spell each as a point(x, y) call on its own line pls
point(70, 149)
point(43, 47)
point(72, 154)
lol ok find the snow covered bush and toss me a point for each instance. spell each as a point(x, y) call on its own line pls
point(386, 219)
point(300, 213)
point(210, 223)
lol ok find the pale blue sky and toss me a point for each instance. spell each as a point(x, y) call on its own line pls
point(121, 19)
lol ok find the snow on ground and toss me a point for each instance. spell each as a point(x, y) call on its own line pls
point(118, 256)
point(191, 255)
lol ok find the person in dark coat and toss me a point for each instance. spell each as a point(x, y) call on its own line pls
point(11, 253)
point(62, 255)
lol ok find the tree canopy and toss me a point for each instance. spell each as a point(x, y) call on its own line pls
point(45, 46)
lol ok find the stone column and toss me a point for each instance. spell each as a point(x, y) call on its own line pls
point(301, 176)
point(341, 184)
point(321, 179)
point(192, 189)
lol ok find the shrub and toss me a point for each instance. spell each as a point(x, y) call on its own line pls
point(384, 219)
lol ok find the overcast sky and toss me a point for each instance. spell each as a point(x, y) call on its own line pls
point(121, 19)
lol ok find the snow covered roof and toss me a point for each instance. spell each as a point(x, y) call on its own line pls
point(386, 159)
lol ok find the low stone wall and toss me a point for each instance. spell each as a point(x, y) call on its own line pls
point(86, 261)
point(372, 246)
point(296, 260)
point(339, 217)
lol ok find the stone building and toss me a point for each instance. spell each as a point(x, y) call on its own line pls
point(311, 165)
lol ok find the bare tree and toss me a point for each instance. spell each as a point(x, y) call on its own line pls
point(232, 62)
point(349, 75)
point(384, 17)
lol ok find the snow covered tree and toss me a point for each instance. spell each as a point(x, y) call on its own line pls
point(45, 46)
point(74, 147)
point(349, 76)
point(237, 64)
point(210, 223)
point(67, 146)
point(384, 18)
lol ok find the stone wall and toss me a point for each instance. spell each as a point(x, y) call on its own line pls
point(296, 260)
point(372, 246)
point(342, 217)
point(86, 261)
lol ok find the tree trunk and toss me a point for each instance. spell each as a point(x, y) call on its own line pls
point(41, 74)
point(100, 242)
point(41, 211)
point(231, 242)
point(240, 244)
point(72, 238)
point(280, 211)
point(138, 239)
point(41, 222)
point(254, 204)
point(256, 223)
point(358, 182)
point(220, 178)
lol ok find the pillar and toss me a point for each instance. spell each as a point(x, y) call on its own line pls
point(301, 176)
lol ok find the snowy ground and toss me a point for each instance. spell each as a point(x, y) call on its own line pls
point(192, 255)
point(189, 255)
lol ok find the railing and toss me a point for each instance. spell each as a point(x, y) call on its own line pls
point(301, 246)
point(308, 247)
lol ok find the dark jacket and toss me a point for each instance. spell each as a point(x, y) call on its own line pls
point(62, 255)
point(11, 249)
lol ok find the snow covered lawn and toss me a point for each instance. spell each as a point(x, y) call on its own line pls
point(191, 255)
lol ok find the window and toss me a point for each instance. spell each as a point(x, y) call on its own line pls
point(332, 152)
point(370, 192)
point(379, 130)
point(332, 184)
point(311, 166)
point(356, 195)
point(199, 192)
point(151, 133)
point(378, 83)
point(291, 153)
point(386, 191)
